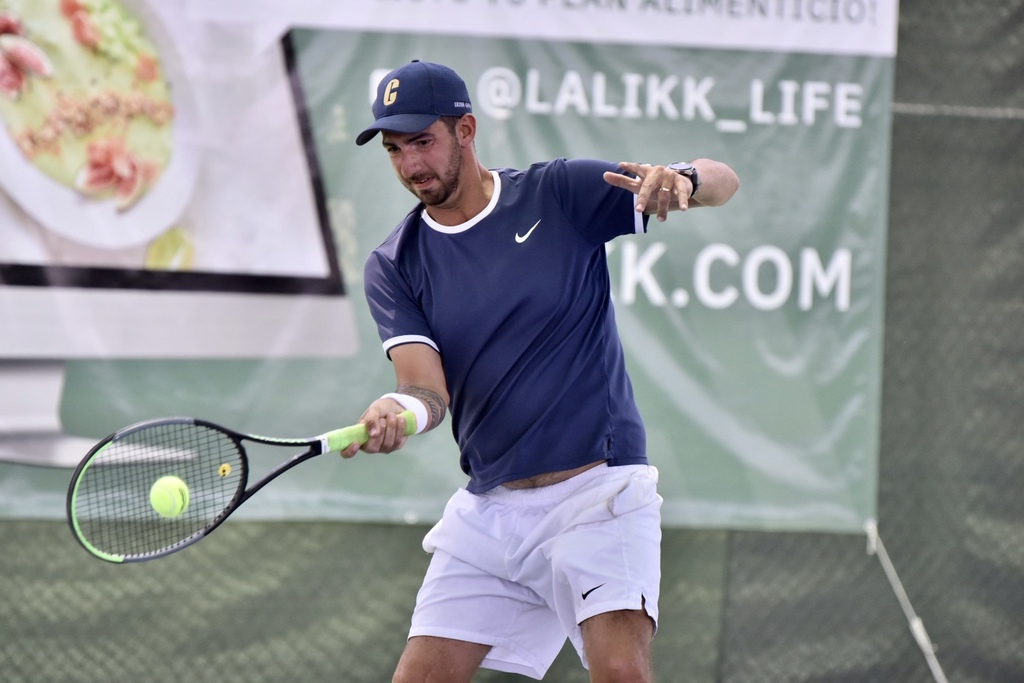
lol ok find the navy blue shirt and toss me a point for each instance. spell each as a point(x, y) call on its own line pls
point(517, 302)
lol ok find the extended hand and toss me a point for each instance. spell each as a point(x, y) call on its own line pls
point(657, 187)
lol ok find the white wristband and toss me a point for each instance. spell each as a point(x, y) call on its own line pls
point(418, 408)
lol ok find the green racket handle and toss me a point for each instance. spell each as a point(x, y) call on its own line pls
point(340, 439)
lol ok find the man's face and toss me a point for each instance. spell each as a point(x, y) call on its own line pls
point(426, 163)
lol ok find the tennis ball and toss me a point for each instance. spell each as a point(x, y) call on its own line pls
point(169, 496)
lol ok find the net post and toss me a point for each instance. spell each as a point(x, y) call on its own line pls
point(917, 629)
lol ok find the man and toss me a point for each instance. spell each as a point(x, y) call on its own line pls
point(492, 299)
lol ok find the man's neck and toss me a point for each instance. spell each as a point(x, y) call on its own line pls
point(474, 194)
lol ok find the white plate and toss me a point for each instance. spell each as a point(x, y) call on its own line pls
point(97, 222)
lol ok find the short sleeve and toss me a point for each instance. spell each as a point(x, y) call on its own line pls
point(393, 305)
point(600, 211)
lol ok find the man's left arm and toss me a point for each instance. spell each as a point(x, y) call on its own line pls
point(660, 189)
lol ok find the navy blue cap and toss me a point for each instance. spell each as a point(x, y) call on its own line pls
point(412, 97)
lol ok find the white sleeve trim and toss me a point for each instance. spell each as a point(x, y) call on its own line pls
point(410, 339)
point(638, 223)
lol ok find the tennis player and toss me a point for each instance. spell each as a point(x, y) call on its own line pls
point(492, 300)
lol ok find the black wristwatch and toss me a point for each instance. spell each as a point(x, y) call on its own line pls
point(687, 169)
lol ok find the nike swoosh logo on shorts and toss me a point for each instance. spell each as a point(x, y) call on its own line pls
point(590, 591)
point(522, 238)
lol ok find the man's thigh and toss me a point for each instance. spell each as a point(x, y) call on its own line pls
point(427, 659)
point(458, 602)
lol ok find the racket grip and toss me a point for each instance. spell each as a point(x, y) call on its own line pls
point(340, 439)
point(410, 422)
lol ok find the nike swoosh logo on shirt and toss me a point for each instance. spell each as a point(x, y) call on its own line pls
point(522, 238)
point(590, 591)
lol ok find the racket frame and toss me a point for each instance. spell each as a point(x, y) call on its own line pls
point(334, 440)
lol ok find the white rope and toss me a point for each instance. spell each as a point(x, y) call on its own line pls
point(875, 547)
point(957, 111)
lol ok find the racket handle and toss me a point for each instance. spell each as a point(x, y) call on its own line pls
point(340, 439)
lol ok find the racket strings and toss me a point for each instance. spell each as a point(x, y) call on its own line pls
point(111, 505)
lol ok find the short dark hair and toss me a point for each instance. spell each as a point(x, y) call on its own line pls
point(450, 122)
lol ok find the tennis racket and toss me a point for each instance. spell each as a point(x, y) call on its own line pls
point(109, 505)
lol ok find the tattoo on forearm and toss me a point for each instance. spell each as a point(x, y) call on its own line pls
point(435, 405)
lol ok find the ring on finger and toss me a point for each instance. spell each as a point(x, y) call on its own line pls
point(666, 189)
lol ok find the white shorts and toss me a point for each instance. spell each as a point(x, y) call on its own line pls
point(521, 569)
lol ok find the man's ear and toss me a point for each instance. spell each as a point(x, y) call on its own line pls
point(466, 129)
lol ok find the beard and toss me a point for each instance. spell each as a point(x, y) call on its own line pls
point(448, 178)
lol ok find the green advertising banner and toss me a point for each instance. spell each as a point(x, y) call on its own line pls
point(753, 332)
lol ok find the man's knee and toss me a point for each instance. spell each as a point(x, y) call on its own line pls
point(618, 646)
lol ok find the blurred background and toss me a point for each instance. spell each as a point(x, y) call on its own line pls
point(293, 600)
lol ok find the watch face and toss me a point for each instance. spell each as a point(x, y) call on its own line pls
point(687, 169)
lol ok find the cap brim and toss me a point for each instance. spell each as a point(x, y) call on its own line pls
point(398, 123)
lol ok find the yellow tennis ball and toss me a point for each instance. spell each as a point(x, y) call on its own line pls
point(169, 496)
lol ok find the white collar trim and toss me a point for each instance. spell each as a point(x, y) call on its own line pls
point(462, 227)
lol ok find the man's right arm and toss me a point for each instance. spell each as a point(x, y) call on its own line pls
point(420, 377)
point(420, 373)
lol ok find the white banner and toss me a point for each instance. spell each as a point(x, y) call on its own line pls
point(839, 27)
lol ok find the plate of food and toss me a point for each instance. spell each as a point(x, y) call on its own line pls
point(98, 140)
